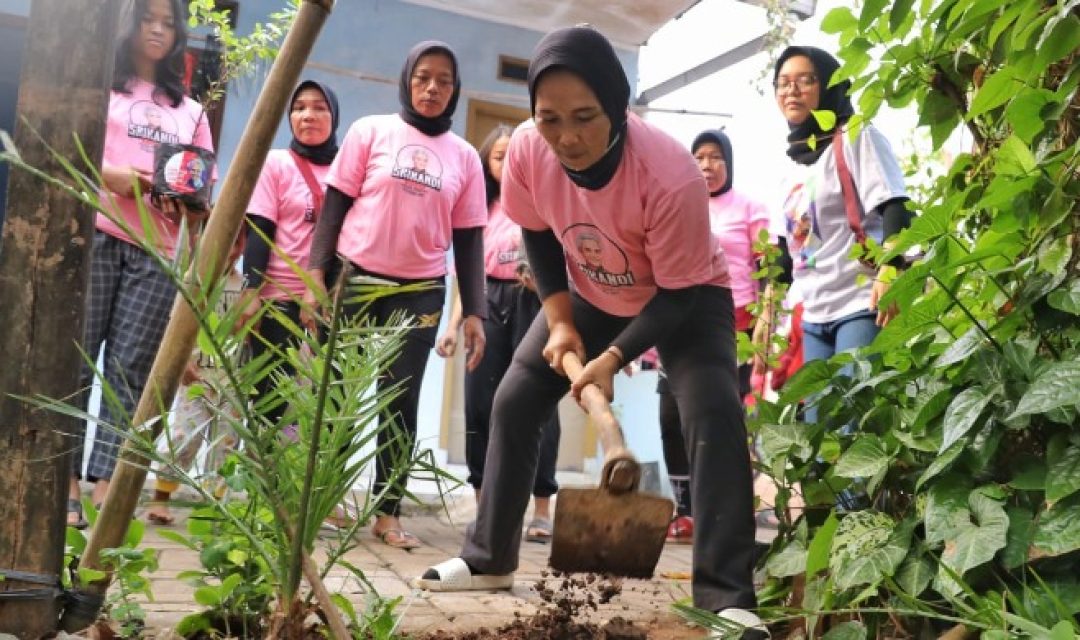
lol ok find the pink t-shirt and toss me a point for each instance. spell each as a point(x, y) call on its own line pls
point(283, 197)
point(646, 228)
point(137, 123)
point(502, 244)
point(411, 190)
point(737, 221)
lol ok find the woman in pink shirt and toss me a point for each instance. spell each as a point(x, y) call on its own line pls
point(283, 211)
point(512, 306)
point(585, 171)
point(130, 296)
point(402, 189)
point(737, 222)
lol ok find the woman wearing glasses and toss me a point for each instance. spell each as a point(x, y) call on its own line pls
point(402, 190)
point(841, 293)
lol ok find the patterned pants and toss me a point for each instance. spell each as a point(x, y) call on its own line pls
point(126, 311)
point(197, 421)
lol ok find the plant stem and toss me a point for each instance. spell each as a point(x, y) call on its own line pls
point(296, 558)
point(967, 312)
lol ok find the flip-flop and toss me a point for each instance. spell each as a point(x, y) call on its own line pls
point(158, 519)
point(454, 575)
point(399, 539)
point(74, 505)
point(539, 530)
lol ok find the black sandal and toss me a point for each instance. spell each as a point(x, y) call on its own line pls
point(74, 505)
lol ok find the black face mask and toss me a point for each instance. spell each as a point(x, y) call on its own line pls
point(321, 154)
point(428, 126)
point(719, 138)
point(586, 53)
point(833, 99)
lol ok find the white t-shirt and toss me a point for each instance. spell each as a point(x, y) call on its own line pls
point(411, 190)
point(811, 216)
point(647, 228)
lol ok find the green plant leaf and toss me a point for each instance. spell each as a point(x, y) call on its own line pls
point(817, 556)
point(784, 439)
point(871, 11)
point(1019, 537)
point(838, 20)
point(809, 379)
point(790, 561)
point(915, 574)
point(850, 630)
point(962, 348)
point(864, 458)
point(1066, 299)
point(979, 536)
point(901, 9)
point(1057, 386)
point(1024, 113)
point(946, 508)
point(941, 462)
point(1014, 158)
point(962, 414)
point(996, 90)
point(1057, 531)
point(868, 547)
point(88, 575)
point(1059, 41)
point(208, 596)
point(1063, 474)
point(1063, 630)
point(825, 119)
point(229, 584)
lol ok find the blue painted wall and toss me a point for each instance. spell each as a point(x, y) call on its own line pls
point(17, 7)
point(373, 37)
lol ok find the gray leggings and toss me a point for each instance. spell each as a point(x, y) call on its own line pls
point(699, 356)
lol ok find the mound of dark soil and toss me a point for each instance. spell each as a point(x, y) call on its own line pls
point(565, 598)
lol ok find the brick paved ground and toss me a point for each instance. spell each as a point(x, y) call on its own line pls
point(441, 530)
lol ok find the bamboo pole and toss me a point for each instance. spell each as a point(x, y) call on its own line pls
point(180, 334)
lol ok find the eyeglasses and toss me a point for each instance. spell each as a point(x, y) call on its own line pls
point(803, 82)
point(424, 80)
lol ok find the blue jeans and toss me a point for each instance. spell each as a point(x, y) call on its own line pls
point(821, 341)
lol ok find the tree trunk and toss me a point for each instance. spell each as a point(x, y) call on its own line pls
point(44, 260)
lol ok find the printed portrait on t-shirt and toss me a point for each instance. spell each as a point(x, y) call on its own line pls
point(151, 124)
point(600, 259)
point(800, 216)
point(418, 168)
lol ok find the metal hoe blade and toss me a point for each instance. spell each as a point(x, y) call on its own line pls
point(596, 531)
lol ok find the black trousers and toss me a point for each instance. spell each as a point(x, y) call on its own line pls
point(699, 356)
point(396, 443)
point(273, 336)
point(511, 309)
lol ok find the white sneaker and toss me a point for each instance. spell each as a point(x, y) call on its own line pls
point(752, 626)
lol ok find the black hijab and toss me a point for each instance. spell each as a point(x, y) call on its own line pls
point(720, 138)
point(428, 126)
point(833, 99)
point(588, 54)
point(321, 154)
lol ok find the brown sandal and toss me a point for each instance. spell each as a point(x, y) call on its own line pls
point(399, 539)
point(159, 519)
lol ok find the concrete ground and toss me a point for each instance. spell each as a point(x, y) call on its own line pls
point(390, 571)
